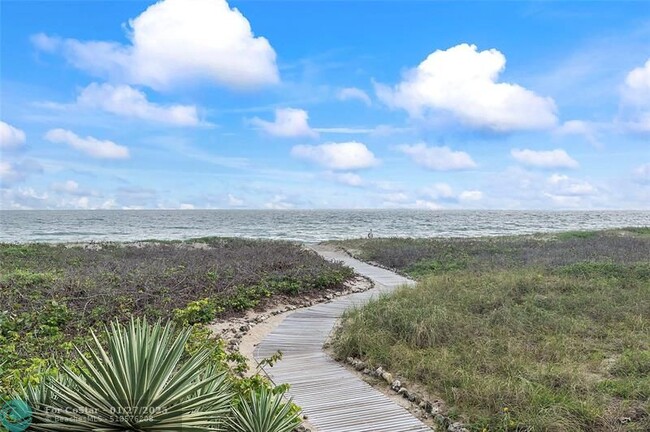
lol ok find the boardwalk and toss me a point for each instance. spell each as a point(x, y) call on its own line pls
point(333, 398)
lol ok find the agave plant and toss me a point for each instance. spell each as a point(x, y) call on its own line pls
point(139, 383)
point(265, 411)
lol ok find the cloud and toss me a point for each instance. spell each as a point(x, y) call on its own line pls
point(636, 99)
point(636, 89)
point(471, 195)
point(233, 201)
point(8, 172)
point(45, 43)
point(69, 187)
point(462, 82)
point(279, 202)
point(439, 191)
point(396, 198)
point(640, 124)
point(562, 185)
point(550, 159)
point(445, 193)
point(349, 179)
point(127, 101)
point(438, 158)
point(353, 93)
point(10, 136)
point(346, 130)
point(427, 205)
point(337, 156)
point(186, 206)
point(14, 172)
point(582, 128)
point(174, 42)
point(91, 146)
point(289, 122)
point(22, 198)
point(642, 174)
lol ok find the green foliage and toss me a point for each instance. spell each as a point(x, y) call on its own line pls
point(24, 279)
point(138, 383)
point(437, 266)
point(52, 294)
point(539, 334)
point(264, 411)
point(200, 311)
point(632, 363)
point(567, 235)
point(432, 256)
point(591, 269)
point(643, 231)
point(12, 251)
point(141, 377)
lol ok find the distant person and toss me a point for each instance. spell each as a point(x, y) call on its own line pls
point(370, 234)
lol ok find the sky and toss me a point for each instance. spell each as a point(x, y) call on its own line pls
point(200, 104)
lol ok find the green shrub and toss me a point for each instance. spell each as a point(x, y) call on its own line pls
point(139, 383)
point(200, 311)
point(264, 411)
point(24, 279)
point(567, 235)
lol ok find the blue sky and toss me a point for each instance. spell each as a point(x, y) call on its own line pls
point(332, 104)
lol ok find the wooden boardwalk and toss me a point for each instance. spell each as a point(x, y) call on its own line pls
point(332, 397)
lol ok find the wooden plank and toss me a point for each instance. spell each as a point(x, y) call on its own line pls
point(332, 397)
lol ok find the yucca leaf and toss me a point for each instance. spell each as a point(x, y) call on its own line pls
point(139, 383)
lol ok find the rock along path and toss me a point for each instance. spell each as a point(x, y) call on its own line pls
point(333, 398)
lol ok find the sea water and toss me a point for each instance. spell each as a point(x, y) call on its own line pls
point(295, 225)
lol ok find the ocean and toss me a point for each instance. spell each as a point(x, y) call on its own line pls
point(297, 225)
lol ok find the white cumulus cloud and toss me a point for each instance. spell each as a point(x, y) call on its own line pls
point(549, 159)
point(562, 185)
point(100, 149)
point(127, 101)
point(438, 158)
point(443, 192)
point(462, 82)
point(289, 122)
point(353, 93)
point(637, 85)
point(337, 156)
point(174, 42)
point(636, 99)
point(10, 136)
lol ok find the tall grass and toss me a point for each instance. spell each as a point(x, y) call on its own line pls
point(562, 347)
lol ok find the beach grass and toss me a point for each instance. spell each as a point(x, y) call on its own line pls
point(532, 333)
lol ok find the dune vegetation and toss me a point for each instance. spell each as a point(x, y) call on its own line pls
point(533, 333)
point(137, 298)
